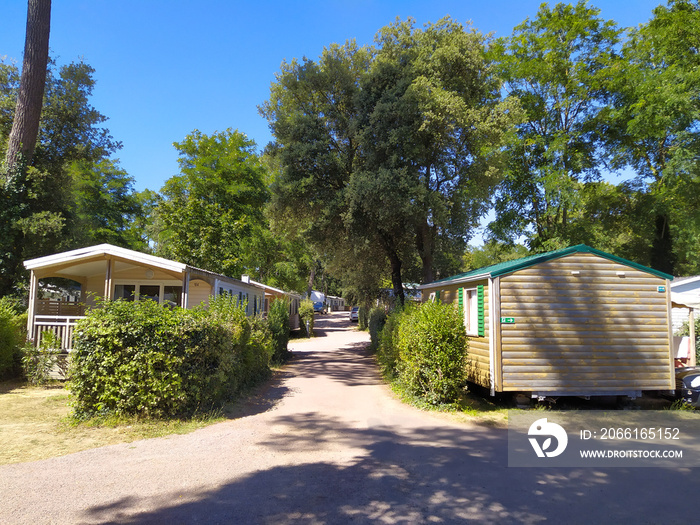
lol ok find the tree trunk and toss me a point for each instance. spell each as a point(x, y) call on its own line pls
point(662, 257)
point(312, 276)
point(425, 246)
point(25, 126)
point(396, 281)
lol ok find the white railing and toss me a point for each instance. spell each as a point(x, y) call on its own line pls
point(60, 326)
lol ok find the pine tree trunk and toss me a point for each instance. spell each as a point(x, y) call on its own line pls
point(25, 126)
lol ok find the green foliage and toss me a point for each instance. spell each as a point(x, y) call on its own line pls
point(278, 321)
point(416, 121)
point(13, 331)
point(306, 315)
point(377, 320)
point(211, 213)
point(432, 343)
point(39, 362)
point(71, 195)
point(363, 317)
point(388, 352)
point(139, 358)
point(554, 65)
point(652, 124)
point(492, 252)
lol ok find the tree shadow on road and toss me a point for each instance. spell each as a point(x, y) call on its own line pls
point(425, 475)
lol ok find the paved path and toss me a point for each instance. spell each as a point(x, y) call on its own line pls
point(327, 443)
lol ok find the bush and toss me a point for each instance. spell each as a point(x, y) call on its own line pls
point(362, 317)
point(39, 362)
point(139, 358)
point(278, 321)
point(377, 319)
point(306, 314)
point(431, 342)
point(13, 336)
point(388, 352)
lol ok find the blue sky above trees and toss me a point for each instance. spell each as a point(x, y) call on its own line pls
point(165, 68)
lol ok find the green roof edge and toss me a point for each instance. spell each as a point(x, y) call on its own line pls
point(504, 268)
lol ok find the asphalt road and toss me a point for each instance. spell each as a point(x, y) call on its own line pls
point(327, 443)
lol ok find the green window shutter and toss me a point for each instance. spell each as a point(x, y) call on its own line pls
point(480, 300)
point(437, 296)
point(460, 299)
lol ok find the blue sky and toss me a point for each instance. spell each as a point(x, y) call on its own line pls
point(165, 68)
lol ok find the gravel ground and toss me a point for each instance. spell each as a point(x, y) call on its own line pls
point(327, 443)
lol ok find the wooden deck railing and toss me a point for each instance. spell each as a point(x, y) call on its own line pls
point(60, 325)
point(59, 308)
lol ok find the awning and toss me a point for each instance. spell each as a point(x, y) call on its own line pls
point(684, 300)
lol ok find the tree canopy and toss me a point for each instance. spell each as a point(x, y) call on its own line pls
point(399, 141)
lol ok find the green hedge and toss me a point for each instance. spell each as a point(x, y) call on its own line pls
point(278, 321)
point(13, 334)
point(306, 314)
point(139, 358)
point(425, 348)
point(377, 320)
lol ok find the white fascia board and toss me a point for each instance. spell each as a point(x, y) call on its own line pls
point(450, 282)
point(104, 250)
point(680, 281)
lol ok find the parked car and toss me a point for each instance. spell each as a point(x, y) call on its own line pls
point(319, 307)
point(688, 385)
point(355, 313)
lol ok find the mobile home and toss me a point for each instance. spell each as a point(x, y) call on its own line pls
point(111, 272)
point(576, 321)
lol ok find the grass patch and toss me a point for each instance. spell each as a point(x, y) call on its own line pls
point(469, 408)
point(36, 423)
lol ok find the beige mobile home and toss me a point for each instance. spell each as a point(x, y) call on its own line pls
point(112, 272)
point(571, 322)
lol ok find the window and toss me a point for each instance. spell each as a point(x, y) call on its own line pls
point(471, 302)
point(149, 292)
point(170, 295)
point(125, 291)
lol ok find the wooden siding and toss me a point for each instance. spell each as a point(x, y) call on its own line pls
point(595, 331)
point(199, 293)
point(478, 361)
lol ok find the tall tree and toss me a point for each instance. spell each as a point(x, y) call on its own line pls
point(43, 209)
point(653, 124)
point(31, 93)
point(553, 64)
point(211, 211)
point(386, 152)
point(434, 122)
point(314, 117)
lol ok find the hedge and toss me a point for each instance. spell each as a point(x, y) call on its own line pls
point(425, 349)
point(139, 358)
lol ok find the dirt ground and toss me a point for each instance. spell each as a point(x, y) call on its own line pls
point(327, 442)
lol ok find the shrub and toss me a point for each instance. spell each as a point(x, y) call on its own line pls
point(306, 314)
point(278, 321)
point(13, 335)
point(431, 346)
point(139, 358)
point(388, 352)
point(363, 317)
point(377, 319)
point(38, 362)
